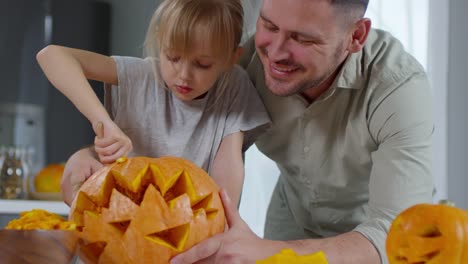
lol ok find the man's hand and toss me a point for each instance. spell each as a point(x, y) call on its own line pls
point(110, 142)
point(79, 167)
point(238, 245)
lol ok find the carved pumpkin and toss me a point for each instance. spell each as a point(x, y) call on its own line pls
point(429, 233)
point(146, 210)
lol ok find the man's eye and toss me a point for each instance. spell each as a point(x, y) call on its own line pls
point(301, 40)
point(270, 27)
point(305, 41)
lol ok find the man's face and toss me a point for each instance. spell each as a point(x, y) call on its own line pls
point(301, 44)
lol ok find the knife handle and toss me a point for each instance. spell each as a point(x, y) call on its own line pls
point(99, 129)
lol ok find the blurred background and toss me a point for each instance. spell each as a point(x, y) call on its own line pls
point(39, 120)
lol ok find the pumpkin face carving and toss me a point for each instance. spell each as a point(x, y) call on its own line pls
point(429, 233)
point(146, 210)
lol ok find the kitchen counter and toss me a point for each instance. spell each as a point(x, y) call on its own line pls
point(9, 207)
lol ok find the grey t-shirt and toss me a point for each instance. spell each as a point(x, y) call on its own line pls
point(159, 124)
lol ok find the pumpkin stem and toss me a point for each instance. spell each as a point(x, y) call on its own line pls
point(447, 202)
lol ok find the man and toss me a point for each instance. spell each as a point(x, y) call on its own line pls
point(351, 135)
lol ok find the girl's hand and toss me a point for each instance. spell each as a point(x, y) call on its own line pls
point(110, 142)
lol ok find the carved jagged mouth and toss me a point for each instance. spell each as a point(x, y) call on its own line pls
point(126, 193)
point(420, 248)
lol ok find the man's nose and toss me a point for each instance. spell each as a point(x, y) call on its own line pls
point(278, 49)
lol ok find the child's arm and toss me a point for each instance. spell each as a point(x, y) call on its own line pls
point(228, 166)
point(69, 70)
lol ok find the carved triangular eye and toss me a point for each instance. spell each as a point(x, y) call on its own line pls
point(174, 238)
point(121, 226)
point(146, 208)
point(206, 204)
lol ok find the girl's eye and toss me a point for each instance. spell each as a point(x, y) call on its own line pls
point(203, 65)
point(172, 58)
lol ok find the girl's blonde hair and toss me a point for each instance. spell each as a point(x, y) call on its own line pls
point(177, 24)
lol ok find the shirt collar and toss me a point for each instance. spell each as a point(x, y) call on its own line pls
point(352, 74)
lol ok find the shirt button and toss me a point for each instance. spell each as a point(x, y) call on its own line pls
point(306, 149)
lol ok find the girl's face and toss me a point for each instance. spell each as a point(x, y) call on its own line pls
point(190, 76)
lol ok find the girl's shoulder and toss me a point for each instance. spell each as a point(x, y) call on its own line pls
point(236, 85)
point(134, 67)
point(128, 61)
point(238, 73)
point(238, 81)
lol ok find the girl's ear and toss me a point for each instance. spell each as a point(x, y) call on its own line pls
point(237, 55)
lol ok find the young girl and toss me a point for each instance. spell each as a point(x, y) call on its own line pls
point(188, 98)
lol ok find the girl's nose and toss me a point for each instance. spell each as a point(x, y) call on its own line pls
point(185, 71)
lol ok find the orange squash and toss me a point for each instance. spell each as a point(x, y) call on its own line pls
point(146, 210)
point(48, 179)
point(429, 233)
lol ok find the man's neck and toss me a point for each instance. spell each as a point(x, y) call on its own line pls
point(315, 92)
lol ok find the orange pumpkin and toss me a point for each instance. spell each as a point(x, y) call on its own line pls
point(146, 210)
point(48, 179)
point(429, 233)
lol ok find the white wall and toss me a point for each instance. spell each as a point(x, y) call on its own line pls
point(437, 54)
point(457, 109)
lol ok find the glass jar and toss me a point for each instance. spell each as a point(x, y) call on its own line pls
point(13, 175)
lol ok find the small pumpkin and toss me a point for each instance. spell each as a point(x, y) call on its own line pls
point(48, 179)
point(146, 210)
point(429, 233)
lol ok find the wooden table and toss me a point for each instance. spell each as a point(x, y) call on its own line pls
point(37, 246)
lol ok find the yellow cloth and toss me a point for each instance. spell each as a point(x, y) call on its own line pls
point(287, 256)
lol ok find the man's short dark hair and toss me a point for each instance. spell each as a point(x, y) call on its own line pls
point(354, 5)
point(357, 3)
point(350, 10)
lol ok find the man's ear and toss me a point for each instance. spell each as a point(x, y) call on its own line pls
point(359, 35)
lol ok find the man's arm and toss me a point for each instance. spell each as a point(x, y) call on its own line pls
point(240, 245)
point(401, 123)
point(79, 167)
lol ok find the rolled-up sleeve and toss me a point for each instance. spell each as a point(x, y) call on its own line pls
point(401, 123)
